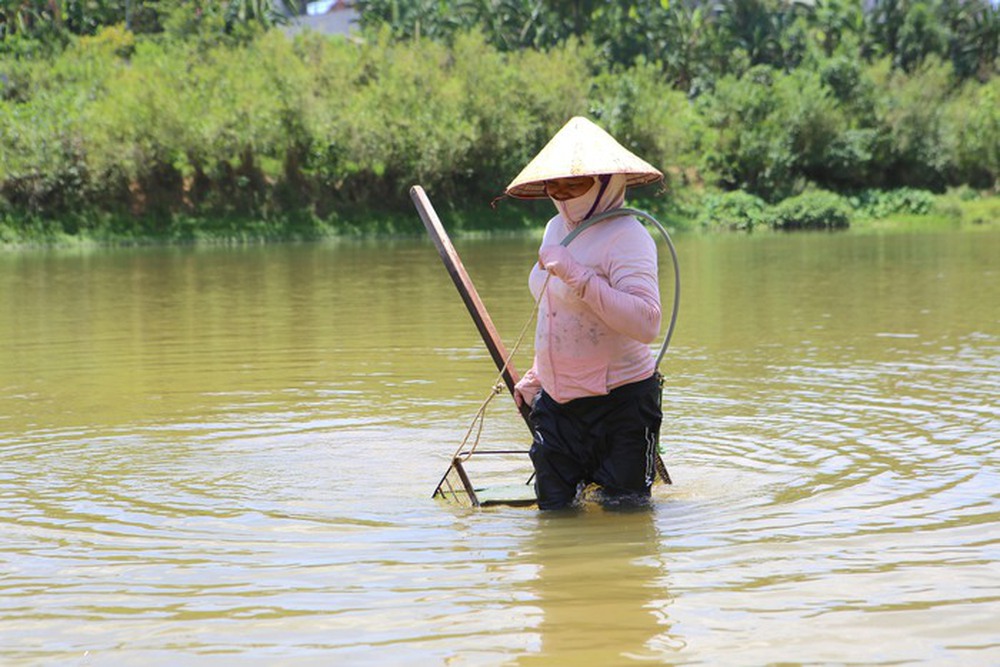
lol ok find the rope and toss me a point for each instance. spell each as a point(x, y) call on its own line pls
point(498, 384)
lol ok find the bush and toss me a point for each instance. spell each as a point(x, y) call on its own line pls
point(910, 118)
point(640, 109)
point(883, 203)
point(752, 149)
point(774, 131)
point(973, 122)
point(736, 210)
point(817, 209)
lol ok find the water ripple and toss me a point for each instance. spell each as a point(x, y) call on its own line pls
point(241, 481)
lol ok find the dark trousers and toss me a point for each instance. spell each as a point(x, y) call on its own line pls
point(609, 440)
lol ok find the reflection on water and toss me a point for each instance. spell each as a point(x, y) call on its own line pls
point(600, 585)
point(226, 455)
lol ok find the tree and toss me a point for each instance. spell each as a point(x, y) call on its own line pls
point(973, 36)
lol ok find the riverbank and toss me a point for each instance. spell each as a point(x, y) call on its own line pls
point(949, 212)
point(104, 229)
point(716, 213)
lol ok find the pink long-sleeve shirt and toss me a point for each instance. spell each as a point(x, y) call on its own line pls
point(594, 336)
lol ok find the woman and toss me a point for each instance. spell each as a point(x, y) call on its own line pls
point(593, 386)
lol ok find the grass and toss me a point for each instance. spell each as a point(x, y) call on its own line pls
point(956, 209)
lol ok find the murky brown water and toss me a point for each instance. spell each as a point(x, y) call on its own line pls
point(225, 456)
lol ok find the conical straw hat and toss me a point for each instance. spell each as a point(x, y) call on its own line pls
point(580, 148)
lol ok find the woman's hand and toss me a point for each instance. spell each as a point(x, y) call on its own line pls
point(559, 262)
point(526, 390)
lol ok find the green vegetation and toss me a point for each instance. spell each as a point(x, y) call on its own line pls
point(183, 120)
point(811, 210)
point(735, 210)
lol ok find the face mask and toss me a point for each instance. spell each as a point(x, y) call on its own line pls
point(608, 192)
point(574, 211)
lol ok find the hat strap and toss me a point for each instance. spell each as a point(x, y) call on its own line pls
point(604, 180)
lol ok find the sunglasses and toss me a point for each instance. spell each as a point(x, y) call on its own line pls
point(562, 189)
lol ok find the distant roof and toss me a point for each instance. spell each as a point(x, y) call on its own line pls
point(321, 7)
point(329, 17)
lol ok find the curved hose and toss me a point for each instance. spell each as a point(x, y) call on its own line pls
point(617, 213)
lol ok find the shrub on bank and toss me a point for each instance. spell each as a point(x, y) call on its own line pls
point(883, 203)
point(742, 211)
point(736, 210)
point(810, 210)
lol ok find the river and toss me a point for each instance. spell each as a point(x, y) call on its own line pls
point(226, 456)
